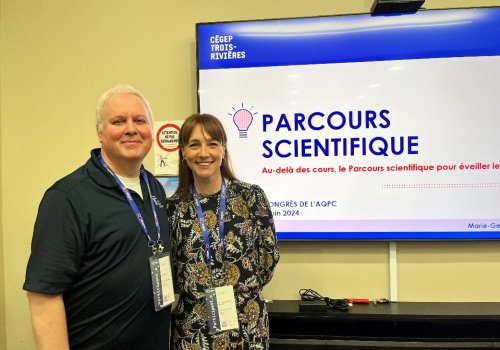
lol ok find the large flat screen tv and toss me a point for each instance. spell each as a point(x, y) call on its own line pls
point(362, 127)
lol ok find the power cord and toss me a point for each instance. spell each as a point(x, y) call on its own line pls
point(312, 295)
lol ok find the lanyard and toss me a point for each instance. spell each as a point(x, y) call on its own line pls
point(203, 225)
point(155, 246)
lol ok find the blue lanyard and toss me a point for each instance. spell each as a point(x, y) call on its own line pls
point(155, 246)
point(203, 225)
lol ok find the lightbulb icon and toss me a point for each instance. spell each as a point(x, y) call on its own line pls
point(242, 118)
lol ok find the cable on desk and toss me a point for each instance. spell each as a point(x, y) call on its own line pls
point(312, 295)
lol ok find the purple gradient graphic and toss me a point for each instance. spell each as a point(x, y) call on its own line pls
point(242, 119)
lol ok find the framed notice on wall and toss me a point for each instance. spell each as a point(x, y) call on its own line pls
point(166, 147)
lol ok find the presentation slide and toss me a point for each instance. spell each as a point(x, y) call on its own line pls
point(363, 127)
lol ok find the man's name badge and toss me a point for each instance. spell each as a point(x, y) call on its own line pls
point(161, 276)
point(221, 307)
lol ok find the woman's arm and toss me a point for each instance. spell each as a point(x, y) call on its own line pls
point(268, 243)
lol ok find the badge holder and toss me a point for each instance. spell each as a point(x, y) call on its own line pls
point(161, 276)
point(221, 306)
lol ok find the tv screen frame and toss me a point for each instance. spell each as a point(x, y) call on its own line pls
point(362, 127)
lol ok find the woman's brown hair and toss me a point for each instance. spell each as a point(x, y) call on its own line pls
point(212, 126)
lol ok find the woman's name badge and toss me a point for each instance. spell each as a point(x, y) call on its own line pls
point(221, 307)
point(161, 276)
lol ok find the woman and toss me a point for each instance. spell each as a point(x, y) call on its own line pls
point(233, 245)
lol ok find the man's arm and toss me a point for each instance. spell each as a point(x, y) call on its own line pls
point(48, 319)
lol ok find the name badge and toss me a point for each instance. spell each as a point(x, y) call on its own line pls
point(161, 276)
point(221, 306)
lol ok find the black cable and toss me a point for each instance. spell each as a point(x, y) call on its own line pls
point(312, 295)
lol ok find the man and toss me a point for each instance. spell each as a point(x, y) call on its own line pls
point(97, 232)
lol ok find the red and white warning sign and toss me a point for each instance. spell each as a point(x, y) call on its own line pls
point(167, 147)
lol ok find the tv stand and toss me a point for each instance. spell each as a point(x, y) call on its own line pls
point(474, 325)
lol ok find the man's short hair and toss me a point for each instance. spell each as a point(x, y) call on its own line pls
point(117, 90)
